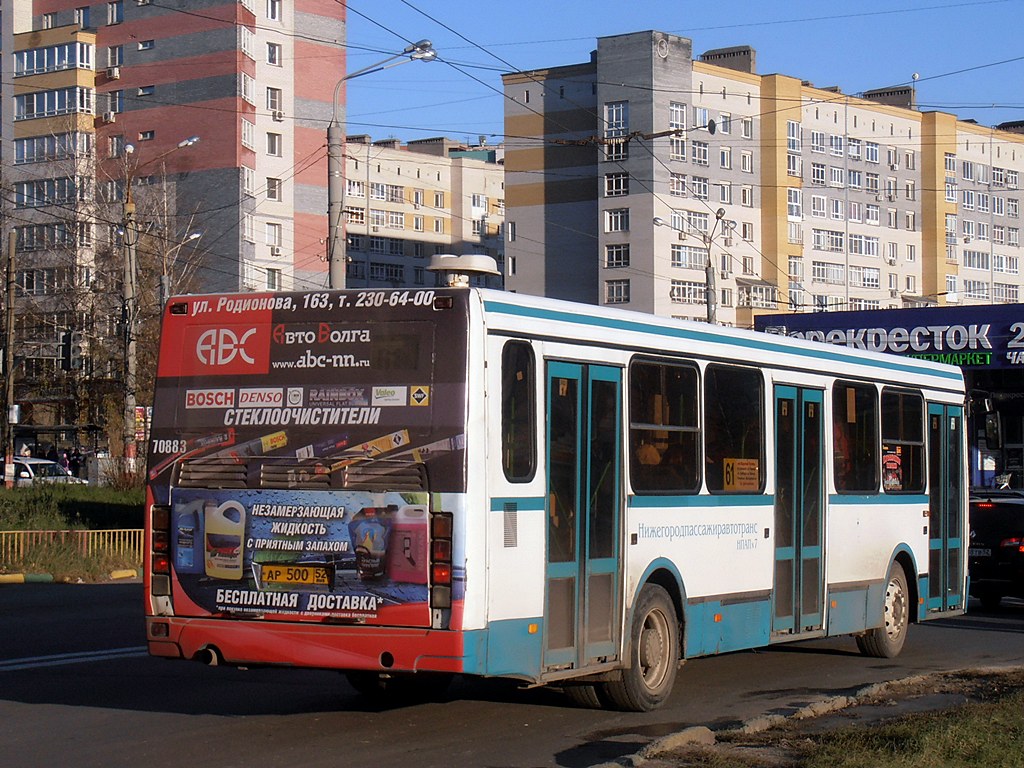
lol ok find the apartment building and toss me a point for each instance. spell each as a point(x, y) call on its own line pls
point(196, 132)
point(407, 202)
point(780, 195)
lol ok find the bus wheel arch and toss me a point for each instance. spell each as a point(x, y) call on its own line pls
point(653, 647)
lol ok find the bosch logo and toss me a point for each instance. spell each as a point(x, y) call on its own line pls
point(210, 398)
point(220, 346)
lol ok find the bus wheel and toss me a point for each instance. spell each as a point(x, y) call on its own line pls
point(653, 654)
point(399, 687)
point(886, 641)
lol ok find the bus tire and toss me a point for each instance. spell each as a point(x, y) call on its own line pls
point(653, 654)
point(886, 641)
point(585, 695)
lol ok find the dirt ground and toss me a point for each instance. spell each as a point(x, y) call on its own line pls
point(770, 741)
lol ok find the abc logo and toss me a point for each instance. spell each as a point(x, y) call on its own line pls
point(220, 346)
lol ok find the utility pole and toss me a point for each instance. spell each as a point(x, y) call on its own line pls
point(8, 426)
point(130, 312)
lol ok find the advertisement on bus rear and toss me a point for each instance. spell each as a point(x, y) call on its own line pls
point(302, 442)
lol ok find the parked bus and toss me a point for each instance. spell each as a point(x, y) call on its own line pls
point(409, 484)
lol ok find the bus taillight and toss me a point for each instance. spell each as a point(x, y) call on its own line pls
point(441, 560)
point(159, 556)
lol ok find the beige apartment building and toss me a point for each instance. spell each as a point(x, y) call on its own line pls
point(407, 202)
point(799, 198)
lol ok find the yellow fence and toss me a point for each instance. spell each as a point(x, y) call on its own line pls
point(125, 542)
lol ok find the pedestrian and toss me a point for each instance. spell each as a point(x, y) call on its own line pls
point(75, 462)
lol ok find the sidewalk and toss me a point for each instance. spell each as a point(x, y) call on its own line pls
point(45, 578)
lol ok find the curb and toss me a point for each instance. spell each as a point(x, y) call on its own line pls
point(47, 578)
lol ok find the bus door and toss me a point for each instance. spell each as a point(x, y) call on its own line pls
point(799, 503)
point(945, 507)
point(584, 427)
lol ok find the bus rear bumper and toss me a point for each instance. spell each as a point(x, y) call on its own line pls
point(257, 643)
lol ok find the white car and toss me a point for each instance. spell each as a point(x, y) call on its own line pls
point(28, 471)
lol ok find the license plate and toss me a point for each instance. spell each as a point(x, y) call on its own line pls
point(294, 574)
point(979, 552)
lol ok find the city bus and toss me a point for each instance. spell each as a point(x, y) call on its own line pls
point(406, 485)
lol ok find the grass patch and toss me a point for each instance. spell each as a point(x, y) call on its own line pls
point(49, 507)
point(987, 731)
point(67, 508)
point(986, 734)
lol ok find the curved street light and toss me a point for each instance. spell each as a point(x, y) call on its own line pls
point(420, 51)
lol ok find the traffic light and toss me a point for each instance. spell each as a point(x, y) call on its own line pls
point(66, 345)
point(71, 350)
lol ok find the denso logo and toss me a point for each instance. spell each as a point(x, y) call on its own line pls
point(210, 398)
point(261, 397)
point(220, 346)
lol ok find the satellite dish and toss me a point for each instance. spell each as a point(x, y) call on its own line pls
point(711, 127)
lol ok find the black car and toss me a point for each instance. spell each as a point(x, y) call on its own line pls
point(995, 553)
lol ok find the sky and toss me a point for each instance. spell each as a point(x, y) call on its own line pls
point(968, 55)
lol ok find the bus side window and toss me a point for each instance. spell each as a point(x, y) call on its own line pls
point(902, 442)
point(733, 429)
point(855, 437)
point(518, 412)
point(663, 429)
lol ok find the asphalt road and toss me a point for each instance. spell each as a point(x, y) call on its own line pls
point(77, 688)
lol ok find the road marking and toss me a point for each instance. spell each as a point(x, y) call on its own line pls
point(80, 657)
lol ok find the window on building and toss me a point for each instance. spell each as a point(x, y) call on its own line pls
point(82, 17)
point(616, 184)
point(700, 152)
point(273, 233)
point(248, 88)
point(616, 130)
point(274, 10)
point(275, 144)
point(616, 291)
point(274, 54)
point(115, 12)
point(616, 255)
point(616, 220)
point(275, 99)
point(115, 55)
point(273, 189)
point(147, 45)
point(147, 135)
point(248, 134)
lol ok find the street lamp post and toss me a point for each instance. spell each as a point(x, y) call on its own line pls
point(165, 273)
point(130, 308)
point(710, 290)
point(421, 51)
